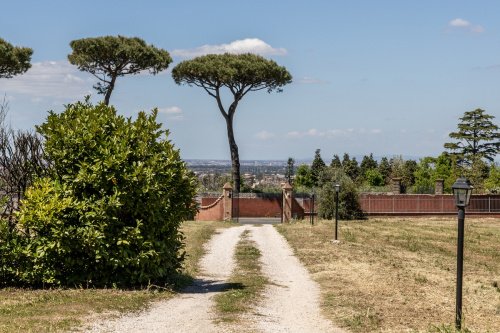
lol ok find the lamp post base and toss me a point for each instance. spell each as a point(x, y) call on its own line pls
point(335, 241)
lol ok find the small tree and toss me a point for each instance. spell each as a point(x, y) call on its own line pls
point(492, 183)
point(239, 74)
point(424, 175)
point(317, 167)
point(336, 162)
point(477, 138)
point(367, 163)
point(110, 57)
point(429, 169)
point(304, 177)
point(349, 206)
point(374, 178)
point(289, 172)
point(14, 60)
point(385, 169)
point(350, 167)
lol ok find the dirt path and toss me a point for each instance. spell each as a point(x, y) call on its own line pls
point(289, 304)
point(191, 311)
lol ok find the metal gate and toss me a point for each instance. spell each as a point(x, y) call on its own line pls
point(243, 207)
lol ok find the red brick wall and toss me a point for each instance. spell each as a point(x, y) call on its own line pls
point(417, 204)
point(215, 213)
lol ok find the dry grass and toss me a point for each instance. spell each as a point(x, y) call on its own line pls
point(399, 274)
point(57, 310)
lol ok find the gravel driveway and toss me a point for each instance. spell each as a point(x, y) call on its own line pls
point(289, 304)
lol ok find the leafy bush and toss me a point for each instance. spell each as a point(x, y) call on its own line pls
point(374, 177)
point(492, 183)
point(110, 211)
point(349, 207)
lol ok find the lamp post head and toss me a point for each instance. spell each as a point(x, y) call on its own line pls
point(337, 188)
point(462, 190)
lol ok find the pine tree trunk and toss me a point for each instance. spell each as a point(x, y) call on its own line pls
point(109, 90)
point(235, 158)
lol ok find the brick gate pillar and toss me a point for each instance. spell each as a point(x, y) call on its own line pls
point(396, 185)
point(227, 202)
point(439, 187)
point(287, 203)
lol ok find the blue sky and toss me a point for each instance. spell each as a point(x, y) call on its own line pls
point(382, 77)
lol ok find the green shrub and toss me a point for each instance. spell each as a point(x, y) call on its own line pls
point(374, 177)
point(349, 206)
point(492, 183)
point(110, 211)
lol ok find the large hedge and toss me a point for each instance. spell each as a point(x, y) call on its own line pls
point(111, 210)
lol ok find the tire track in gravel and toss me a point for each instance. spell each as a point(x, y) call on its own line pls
point(291, 303)
point(192, 310)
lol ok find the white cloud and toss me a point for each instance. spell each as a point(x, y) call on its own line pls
point(53, 79)
point(332, 133)
point(460, 23)
point(264, 135)
point(311, 80)
point(172, 112)
point(247, 45)
point(294, 134)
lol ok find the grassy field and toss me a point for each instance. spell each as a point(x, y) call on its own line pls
point(399, 274)
point(56, 310)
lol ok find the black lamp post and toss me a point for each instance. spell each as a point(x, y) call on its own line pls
point(462, 190)
point(311, 208)
point(337, 190)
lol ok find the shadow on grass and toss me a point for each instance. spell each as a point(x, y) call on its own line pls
point(201, 286)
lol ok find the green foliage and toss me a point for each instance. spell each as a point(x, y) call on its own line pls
point(367, 163)
point(238, 74)
point(349, 207)
point(317, 167)
point(374, 178)
point(446, 169)
point(289, 172)
point(350, 167)
point(111, 210)
point(429, 169)
point(424, 176)
point(385, 169)
point(492, 183)
point(476, 172)
point(336, 162)
point(404, 170)
point(477, 138)
point(109, 57)
point(477, 142)
point(304, 177)
point(14, 60)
